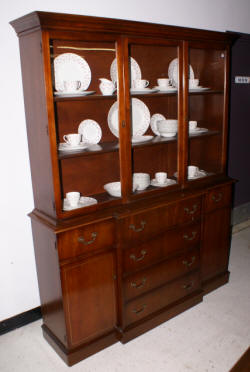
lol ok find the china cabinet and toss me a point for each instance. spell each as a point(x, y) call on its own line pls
point(138, 247)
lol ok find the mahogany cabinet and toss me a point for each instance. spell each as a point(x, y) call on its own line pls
point(117, 265)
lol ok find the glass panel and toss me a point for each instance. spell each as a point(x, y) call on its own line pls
point(82, 104)
point(154, 116)
point(206, 110)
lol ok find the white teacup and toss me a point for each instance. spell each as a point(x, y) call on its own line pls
point(141, 180)
point(192, 171)
point(72, 139)
point(163, 82)
point(73, 198)
point(141, 83)
point(193, 83)
point(71, 86)
point(161, 177)
point(192, 125)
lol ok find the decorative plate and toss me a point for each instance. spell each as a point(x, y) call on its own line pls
point(153, 123)
point(198, 89)
point(83, 202)
point(70, 66)
point(135, 71)
point(91, 131)
point(140, 118)
point(173, 72)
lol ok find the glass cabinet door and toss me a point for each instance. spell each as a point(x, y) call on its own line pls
point(86, 135)
point(206, 111)
point(153, 71)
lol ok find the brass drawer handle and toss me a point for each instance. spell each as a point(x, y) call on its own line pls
point(140, 310)
point(192, 237)
point(217, 198)
point(188, 264)
point(132, 227)
point(191, 211)
point(188, 286)
point(82, 240)
point(143, 253)
point(140, 285)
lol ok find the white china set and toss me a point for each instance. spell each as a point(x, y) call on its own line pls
point(73, 77)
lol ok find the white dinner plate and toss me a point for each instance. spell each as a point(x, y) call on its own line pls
point(140, 118)
point(198, 89)
point(166, 90)
point(173, 72)
point(153, 123)
point(91, 131)
point(83, 202)
point(135, 71)
point(70, 66)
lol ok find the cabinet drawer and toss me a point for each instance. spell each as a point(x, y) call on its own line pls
point(160, 247)
point(161, 297)
point(218, 197)
point(86, 239)
point(146, 280)
point(142, 226)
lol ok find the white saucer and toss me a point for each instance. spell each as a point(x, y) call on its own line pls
point(198, 130)
point(143, 91)
point(137, 139)
point(84, 202)
point(200, 173)
point(168, 182)
point(198, 89)
point(66, 147)
point(74, 94)
point(169, 89)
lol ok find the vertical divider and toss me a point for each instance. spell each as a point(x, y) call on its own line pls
point(225, 110)
point(183, 113)
point(124, 118)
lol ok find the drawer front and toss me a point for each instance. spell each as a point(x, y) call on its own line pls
point(158, 299)
point(143, 226)
point(160, 247)
point(86, 239)
point(218, 197)
point(156, 276)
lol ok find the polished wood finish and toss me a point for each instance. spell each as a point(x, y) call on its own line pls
point(116, 269)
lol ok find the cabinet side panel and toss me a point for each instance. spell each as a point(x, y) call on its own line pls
point(37, 121)
point(49, 280)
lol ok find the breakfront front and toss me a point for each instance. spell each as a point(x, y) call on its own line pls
point(127, 131)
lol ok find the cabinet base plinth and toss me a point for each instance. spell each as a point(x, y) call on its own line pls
point(73, 356)
point(215, 282)
point(158, 318)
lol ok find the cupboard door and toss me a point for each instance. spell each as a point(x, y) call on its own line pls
point(89, 298)
point(216, 241)
point(207, 119)
point(153, 97)
point(92, 113)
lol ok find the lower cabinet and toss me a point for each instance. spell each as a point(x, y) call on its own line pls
point(89, 297)
point(98, 287)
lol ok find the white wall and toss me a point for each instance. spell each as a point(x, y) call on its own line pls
point(18, 281)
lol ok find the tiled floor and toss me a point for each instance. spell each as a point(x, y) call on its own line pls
point(209, 337)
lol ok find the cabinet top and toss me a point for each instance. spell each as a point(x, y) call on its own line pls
point(70, 22)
